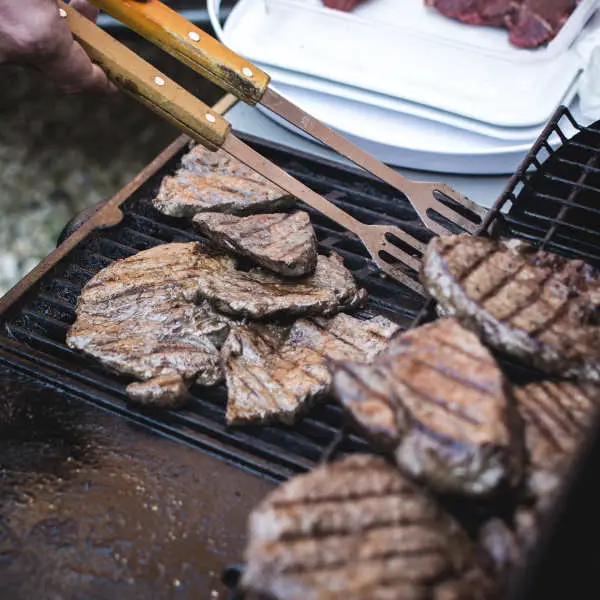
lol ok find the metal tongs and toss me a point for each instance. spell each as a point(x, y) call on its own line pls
point(391, 248)
point(176, 35)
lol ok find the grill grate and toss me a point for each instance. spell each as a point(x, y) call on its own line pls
point(552, 206)
point(39, 323)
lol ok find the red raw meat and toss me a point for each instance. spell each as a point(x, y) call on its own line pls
point(474, 12)
point(531, 23)
point(538, 21)
point(343, 5)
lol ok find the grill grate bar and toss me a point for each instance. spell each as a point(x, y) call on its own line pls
point(567, 203)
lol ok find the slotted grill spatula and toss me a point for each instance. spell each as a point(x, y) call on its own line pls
point(165, 97)
point(166, 28)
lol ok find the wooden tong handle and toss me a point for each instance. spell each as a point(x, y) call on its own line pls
point(147, 84)
point(166, 28)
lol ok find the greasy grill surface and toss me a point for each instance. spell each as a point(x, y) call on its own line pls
point(45, 315)
point(568, 223)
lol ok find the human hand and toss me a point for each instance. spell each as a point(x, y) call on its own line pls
point(33, 33)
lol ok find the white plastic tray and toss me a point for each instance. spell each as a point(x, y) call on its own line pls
point(391, 60)
point(406, 141)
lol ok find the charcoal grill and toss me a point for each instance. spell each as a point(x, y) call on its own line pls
point(552, 201)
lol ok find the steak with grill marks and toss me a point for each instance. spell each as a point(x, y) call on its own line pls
point(138, 317)
point(216, 182)
point(258, 293)
point(281, 242)
point(556, 416)
point(274, 374)
point(437, 399)
point(538, 307)
point(356, 529)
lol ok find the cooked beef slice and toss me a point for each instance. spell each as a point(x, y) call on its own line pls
point(275, 374)
point(216, 182)
point(438, 400)
point(556, 416)
point(138, 317)
point(283, 243)
point(258, 293)
point(538, 307)
point(357, 529)
point(530, 23)
point(509, 545)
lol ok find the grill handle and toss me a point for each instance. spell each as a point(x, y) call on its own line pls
point(191, 45)
point(148, 85)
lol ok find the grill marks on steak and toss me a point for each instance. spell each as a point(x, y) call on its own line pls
point(556, 417)
point(216, 182)
point(274, 374)
point(257, 293)
point(137, 317)
point(356, 529)
point(438, 400)
point(535, 306)
point(530, 23)
point(283, 243)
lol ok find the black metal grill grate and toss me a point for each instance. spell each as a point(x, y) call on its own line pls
point(553, 199)
point(40, 322)
point(554, 204)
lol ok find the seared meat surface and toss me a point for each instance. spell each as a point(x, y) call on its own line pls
point(258, 293)
point(274, 374)
point(281, 242)
point(357, 529)
point(530, 23)
point(556, 417)
point(438, 400)
point(216, 182)
point(536, 306)
point(138, 317)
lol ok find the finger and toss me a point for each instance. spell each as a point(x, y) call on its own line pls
point(87, 9)
point(73, 71)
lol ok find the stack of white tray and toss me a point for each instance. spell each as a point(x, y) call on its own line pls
point(412, 87)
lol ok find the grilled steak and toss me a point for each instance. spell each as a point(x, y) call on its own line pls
point(508, 545)
point(556, 417)
point(541, 308)
point(530, 22)
point(258, 293)
point(216, 182)
point(357, 530)
point(437, 398)
point(284, 243)
point(137, 317)
point(275, 373)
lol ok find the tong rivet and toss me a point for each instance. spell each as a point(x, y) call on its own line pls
point(210, 118)
point(247, 72)
point(195, 37)
point(62, 12)
point(159, 80)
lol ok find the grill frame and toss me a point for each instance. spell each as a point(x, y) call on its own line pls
point(514, 213)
